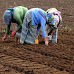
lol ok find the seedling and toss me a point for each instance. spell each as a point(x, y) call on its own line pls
point(4, 31)
point(15, 3)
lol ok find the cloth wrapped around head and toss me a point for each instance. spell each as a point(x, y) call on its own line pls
point(51, 19)
point(7, 17)
point(51, 10)
point(57, 15)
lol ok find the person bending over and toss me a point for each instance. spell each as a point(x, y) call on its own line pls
point(14, 15)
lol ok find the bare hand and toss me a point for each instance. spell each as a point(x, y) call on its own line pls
point(46, 43)
point(5, 36)
point(37, 37)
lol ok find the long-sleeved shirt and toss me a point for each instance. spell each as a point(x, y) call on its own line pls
point(39, 17)
point(18, 16)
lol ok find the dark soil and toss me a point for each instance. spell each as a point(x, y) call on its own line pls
point(56, 58)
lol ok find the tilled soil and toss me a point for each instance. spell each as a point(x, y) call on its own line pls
point(38, 59)
point(56, 58)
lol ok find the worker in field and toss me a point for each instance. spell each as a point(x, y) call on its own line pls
point(14, 15)
point(35, 19)
point(52, 32)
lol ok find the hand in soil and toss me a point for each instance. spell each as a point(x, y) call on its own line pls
point(4, 38)
point(46, 43)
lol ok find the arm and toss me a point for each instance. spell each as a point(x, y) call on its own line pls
point(46, 29)
point(7, 32)
point(8, 29)
point(52, 32)
point(19, 22)
point(44, 34)
point(38, 29)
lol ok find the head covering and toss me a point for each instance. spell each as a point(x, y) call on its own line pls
point(57, 15)
point(51, 10)
point(7, 17)
point(51, 20)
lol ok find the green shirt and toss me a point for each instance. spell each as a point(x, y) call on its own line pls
point(18, 17)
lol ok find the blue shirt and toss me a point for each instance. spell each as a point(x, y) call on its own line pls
point(38, 19)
